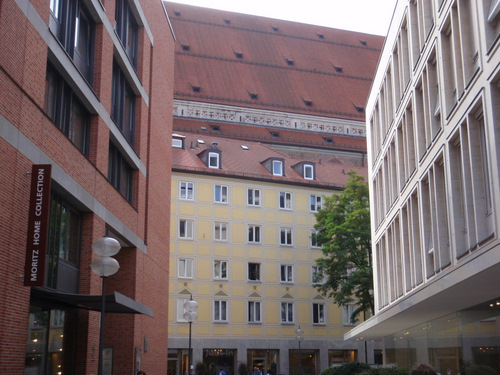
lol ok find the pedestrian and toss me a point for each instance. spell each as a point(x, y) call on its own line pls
point(423, 369)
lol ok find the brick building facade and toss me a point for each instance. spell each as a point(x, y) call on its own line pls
point(86, 87)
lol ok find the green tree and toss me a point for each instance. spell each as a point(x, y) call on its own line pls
point(343, 232)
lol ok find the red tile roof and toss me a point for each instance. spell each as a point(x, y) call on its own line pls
point(264, 134)
point(249, 61)
point(247, 163)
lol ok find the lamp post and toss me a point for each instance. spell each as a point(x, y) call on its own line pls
point(104, 266)
point(190, 315)
point(299, 338)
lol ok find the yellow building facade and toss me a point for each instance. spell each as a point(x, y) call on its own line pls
point(243, 250)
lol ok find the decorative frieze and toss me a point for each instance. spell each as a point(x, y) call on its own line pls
point(249, 116)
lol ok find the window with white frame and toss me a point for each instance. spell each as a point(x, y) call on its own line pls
point(220, 311)
point(185, 268)
point(180, 309)
point(285, 200)
point(220, 231)
point(286, 271)
point(317, 275)
point(254, 315)
point(314, 238)
point(213, 160)
point(347, 311)
point(220, 193)
point(286, 236)
point(318, 313)
point(254, 233)
point(186, 229)
point(186, 190)
point(277, 168)
point(286, 312)
point(316, 202)
point(220, 269)
point(254, 271)
point(253, 197)
point(308, 172)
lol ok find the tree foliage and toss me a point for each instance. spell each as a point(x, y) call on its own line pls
point(343, 232)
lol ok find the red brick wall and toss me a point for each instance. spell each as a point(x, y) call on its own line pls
point(143, 275)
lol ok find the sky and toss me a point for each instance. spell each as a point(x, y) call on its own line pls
point(367, 16)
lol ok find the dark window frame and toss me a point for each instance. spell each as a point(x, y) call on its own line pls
point(127, 29)
point(123, 101)
point(66, 111)
point(120, 173)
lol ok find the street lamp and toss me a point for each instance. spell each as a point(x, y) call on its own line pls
point(190, 315)
point(104, 266)
point(299, 338)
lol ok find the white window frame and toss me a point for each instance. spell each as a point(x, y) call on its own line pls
point(286, 231)
point(221, 269)
point(286, 273)
point(347, 311)
point(221, 230)
point(220, 311)
point(314, 243)
point(258, 266)
point(287, 313)
point(286, 202)
point(180, 309)
point(177, 143)
point(318, 315)
point(277, 168)
point(252, 232)
point(185, 187)
point(185, 268)
point(221, 194)
point(255, 195)
point(310, 168)
point(188, 231)
point(315, 202)
point(213, 156)
point(314, 271)
point(254, 312)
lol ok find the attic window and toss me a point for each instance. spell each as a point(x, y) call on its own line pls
point(215, 128)
point(309, 171)
point(200, 141)
point(238, 53)
point(363, 42)
point(277, 168)
point(177, 14)
point(195, 86)
point(307, 100)
point(213, 160)
point(177, 141)
point(227, 21)
point(252, 92)
point(275, 28)
point(320, 35)
point(328, 140)
point(185, 47)
point(244, 147)
point(338, 69)
point(359, 109)
point(289, 61)
point(275, 134)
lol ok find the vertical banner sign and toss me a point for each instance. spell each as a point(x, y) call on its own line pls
point(38, 225)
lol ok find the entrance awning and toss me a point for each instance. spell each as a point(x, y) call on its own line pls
point(115, 303)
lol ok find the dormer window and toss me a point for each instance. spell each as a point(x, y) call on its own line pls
point(306, 170)
point(213, 160)
point(309, 172)
point(177, 141)
point(277, 168)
